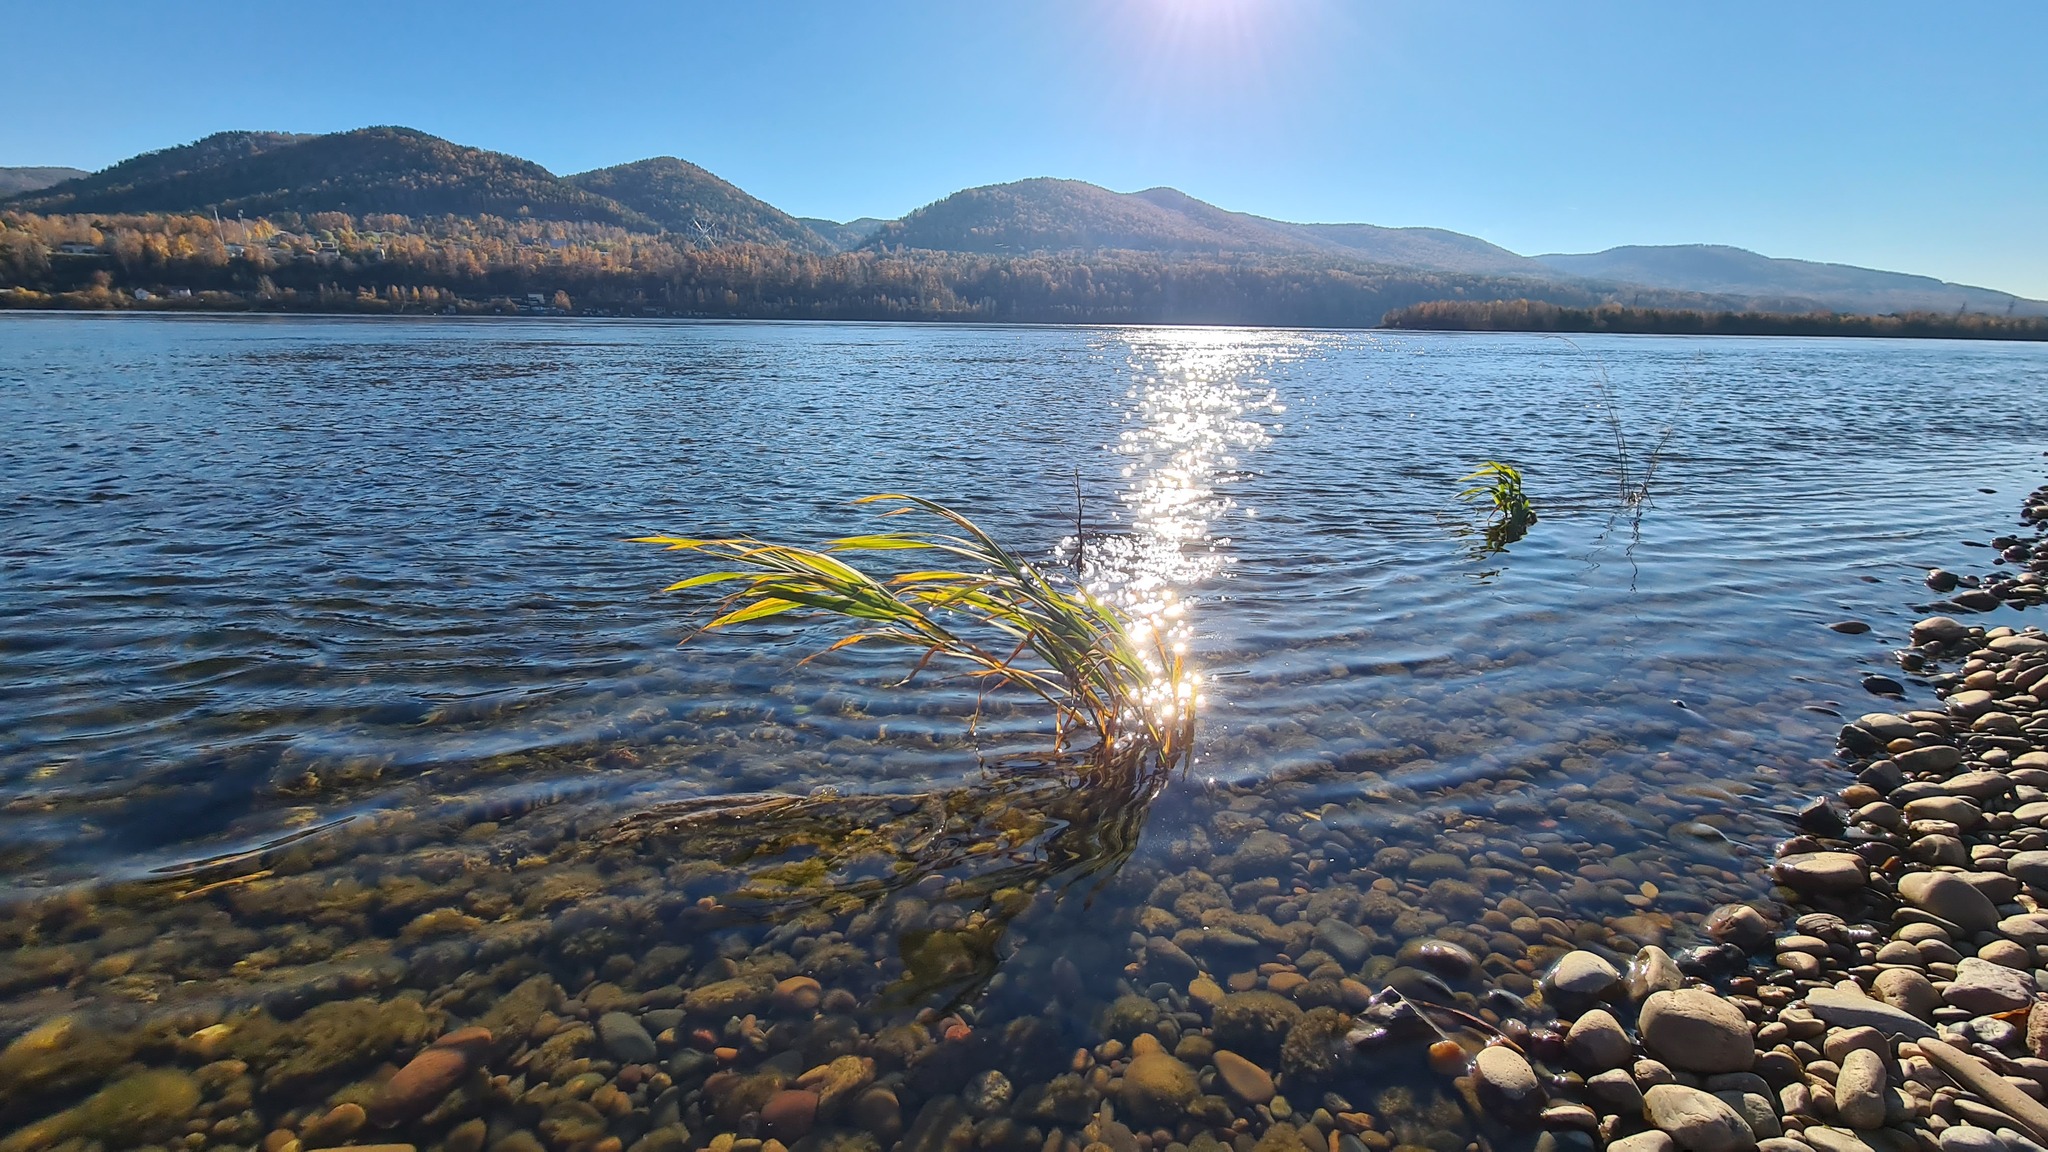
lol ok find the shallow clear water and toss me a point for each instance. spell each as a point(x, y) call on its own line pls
point(328, 597)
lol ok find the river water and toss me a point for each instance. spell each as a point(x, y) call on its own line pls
point(292, 608)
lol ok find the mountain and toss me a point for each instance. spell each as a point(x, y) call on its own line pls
point(1775, 284)
point(397, 170)
point(137, 183)
point(1047, 215)
point(14, 181)
point(847, 236)
point(683, 198)
point(407, 172)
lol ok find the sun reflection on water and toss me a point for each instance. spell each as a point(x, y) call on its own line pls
point(1199, 407)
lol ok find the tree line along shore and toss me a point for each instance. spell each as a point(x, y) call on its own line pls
point(333, 262)
point(1540, 316)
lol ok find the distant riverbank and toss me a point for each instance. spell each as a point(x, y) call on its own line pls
point(1434, 316)
point(1537, 316)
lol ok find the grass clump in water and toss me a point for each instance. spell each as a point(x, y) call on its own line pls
point(991, 614)
point(1499, 487)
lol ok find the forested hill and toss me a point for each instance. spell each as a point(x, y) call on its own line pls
point(683, 198)
point(14, 181)
point(1047, 215)
point(369, 170)
point(1721, 270)
point(424, 191)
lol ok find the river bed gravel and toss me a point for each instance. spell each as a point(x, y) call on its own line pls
point(353, 791)
point(869, 973)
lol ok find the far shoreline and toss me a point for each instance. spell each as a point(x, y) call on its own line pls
point(1913, 327)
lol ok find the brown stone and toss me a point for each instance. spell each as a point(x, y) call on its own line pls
point(1246, 1080)
point(430, 1075)
point(789, 1114)
point(798, 996)
point(336, 1126)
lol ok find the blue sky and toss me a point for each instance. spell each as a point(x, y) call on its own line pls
point(1903, 136)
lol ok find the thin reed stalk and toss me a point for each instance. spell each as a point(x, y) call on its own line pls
point(995, 618)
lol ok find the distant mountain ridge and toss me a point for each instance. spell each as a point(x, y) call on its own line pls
point(406, 172)
point(368, 170)
point(14, 181)
point(1050, 215)
point(1766, 281)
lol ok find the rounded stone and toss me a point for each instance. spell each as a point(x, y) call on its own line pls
point(1652, 970)
point(429, 1076)
point(1942, 894)
point(1859, 1090)
point(1970, 1138)
point(1581, 976)
point(1907, 989)
point(1596, 1042)
point(1983, 988)
point(1697, 1121)
point(2030, 868)
point(1158, 1088)
point(1948, 809)
point(1822, 873)
point(797, 996)
point(1933, 758)
point(625, 1038)
point(1742, 925)
point(1506, 1085)
point(790, 1113)
point(1246, 1080)
point(1693, 1030)
point(1939, 629)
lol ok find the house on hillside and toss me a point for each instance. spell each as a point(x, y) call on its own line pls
point(77, 248)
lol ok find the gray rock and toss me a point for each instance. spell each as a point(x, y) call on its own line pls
point(1983, 988)
point(1859, 1090)
point(1943, 894)
point(1697, 1121)
point(1652, 1141)
point(1756, 1110)
point(2028, 868)
point(2028, 928)
point(1854, 1010)
point(1696, 1031)
point(1582, 976)
point(1596, 1042)
point(1886, 726)
point(1970, 1138)
point(1782, 1144)
point(1343, 941)
point(625, 1039)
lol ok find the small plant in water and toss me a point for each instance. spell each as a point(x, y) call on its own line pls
point(1500, 487)
point(996, 616)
